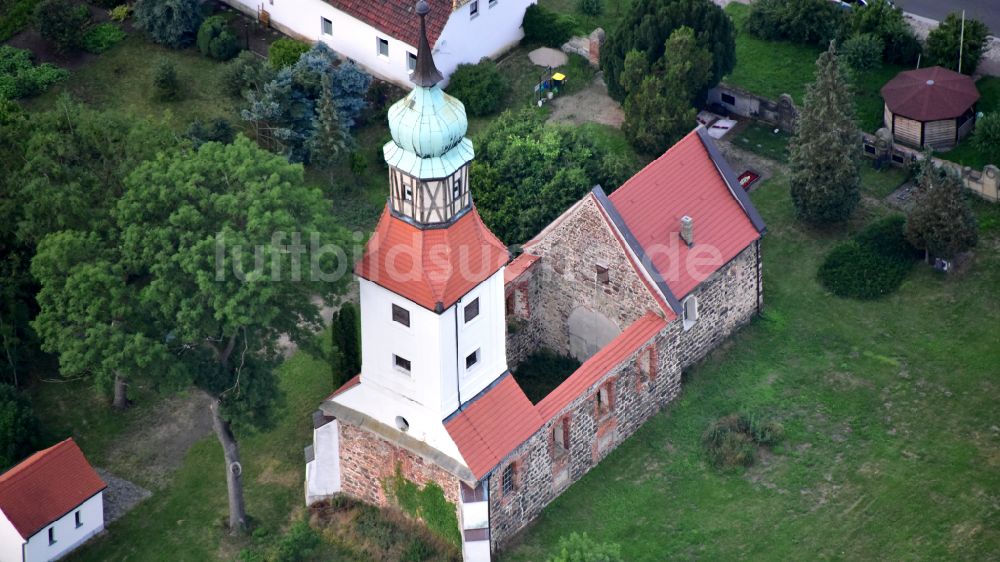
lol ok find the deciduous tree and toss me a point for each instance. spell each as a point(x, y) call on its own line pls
point(948, 38)
point(173, 23)
point(941, 221)
point(18, 427)
point(824, 166)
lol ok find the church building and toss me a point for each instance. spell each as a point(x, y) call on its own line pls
point(638, 285)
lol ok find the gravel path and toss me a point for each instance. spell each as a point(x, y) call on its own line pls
point(120, 496)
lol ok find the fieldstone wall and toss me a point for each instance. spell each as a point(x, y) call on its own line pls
point(524, 326)
point(367, 461)
point(582, 265)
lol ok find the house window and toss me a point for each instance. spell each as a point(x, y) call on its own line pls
point(472, 359)
point(690, 312)
point(327, 26)
point(383, 47)
point(472, 310)
point(603, 277)
point(401, 315)
point(401, 364)
point(473, 8)
point(647, 365)
point(79, 520)
point(560, 434)
point(411, 62)
point(728, 99)
point(507, 479)
point(604, 399)
point(52, 535)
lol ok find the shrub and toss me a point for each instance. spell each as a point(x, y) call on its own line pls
point(427, 503)
point(102, 37)
point(62, 23)
point(480, 86)
point(165, 84)
point(20, 78)
point(216, 130)
point(15, 15)
point(18, 427)
point(581, 548)
point(591, 7)
point(733, 440)
point(298, 545)
point(886, 21)
point(285, 52)
point(941, 221)
point(986, 137)
point(216, 40)
point(173, 23)
point(120, 13)
point(544, 26)
point(359, 164)
point(863, 52)
point(802, 21)
point(247, 70)
point(871, 265)
point(943, 43)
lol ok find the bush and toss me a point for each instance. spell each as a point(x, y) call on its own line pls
point(215, 39)
point(102, 37)
point(285, 52)
point(216, 130)
point(943, 43)
point(62, 23)
point(591, 7)
point(986, 137)
point(886, 21)
point(581, 548)
point(173, 23)
point(247, 70)
point(544, 26)
point(15, 15)
point(733, 440)
point(813, 22)
point(299, 544)
point(359, 164)
point(120, 13)
point(20, 78)
point(165, 84)
point(873, 264)
point(863, 52)
point(18, 427)
point(480, 86)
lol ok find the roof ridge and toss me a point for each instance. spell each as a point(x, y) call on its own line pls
point(33, 460)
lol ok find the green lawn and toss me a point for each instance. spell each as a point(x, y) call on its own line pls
point(613, 11)
point(892, 448)
point(761, 139)
point(880, 183)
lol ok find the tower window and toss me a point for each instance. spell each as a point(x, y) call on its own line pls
point(472, 359)
point(326, 26)
point(401, 364)
point(456, 189)
point(383, 47)
point(473, 8)
point(407, 193)
point(78, 520)
point(411, 62)
point(401, 315)
point(472, 310)
point(52, 535)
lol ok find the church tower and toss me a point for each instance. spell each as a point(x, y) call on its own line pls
point(433, 322)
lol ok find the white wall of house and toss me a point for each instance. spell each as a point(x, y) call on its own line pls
point(323, 472)
point(467, 39)
point(67, 534)
point(464, 38)
point(10, 541)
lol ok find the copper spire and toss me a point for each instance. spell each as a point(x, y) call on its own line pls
point(425, 74)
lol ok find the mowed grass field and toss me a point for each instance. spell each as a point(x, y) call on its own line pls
point(892, 447)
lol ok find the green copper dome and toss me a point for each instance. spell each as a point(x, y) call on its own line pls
point(427, 122)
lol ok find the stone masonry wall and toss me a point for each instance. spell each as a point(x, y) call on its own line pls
point(567, 276)
point(524, 328)
point(367, 460)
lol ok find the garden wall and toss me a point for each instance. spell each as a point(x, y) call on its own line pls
point(781, 113)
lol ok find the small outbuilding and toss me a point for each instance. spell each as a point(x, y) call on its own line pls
point(930, 107)
point(49, 504)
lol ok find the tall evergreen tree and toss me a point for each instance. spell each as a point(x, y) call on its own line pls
point(941, 222)
point(825, 174)
point(347, 342)
point(330, 138)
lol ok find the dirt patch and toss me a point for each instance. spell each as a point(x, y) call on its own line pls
point(590, 105)
point(150, 452)
point(740, 159)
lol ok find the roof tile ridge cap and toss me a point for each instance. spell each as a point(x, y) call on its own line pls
point(29, 465)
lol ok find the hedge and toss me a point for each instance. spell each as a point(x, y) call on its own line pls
point(871, 265)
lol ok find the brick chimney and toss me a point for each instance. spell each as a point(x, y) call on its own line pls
point(687, 230)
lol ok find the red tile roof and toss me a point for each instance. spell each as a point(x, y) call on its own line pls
point(47, 486)
point(685, 181)
point(628, 342)
point(493, 425)
point(397, 17)
point(432, 266)
point(930, 94)
point(520, 264)
point(351, 383)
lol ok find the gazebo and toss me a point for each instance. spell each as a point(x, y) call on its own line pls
point(930, 107)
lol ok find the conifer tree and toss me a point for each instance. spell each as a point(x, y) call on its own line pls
point(825, 175)
point(331, 138)
point(345, 338)
point(941, 222)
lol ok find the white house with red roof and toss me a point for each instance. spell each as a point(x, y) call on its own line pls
point(50, 504)
point(637, 285)
point(380, 35)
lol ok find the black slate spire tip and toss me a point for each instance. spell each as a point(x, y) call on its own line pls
point(426, 73)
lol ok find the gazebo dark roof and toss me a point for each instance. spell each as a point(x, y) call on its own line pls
point(930, 94)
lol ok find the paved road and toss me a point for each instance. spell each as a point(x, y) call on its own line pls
point(988, 11)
